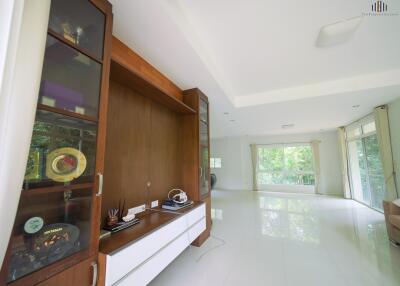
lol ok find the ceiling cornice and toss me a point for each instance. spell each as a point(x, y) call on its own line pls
point(351, 84)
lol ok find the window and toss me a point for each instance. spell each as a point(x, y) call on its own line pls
point(365, 166)
point(285, 165)
point(215, 163)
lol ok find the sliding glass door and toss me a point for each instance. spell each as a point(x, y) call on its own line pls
point(366, 173)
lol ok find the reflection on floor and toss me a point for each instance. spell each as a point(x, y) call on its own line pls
point(288, 239)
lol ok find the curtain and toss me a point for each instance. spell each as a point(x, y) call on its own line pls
point(344, 162)
point(385, 149)
point(20, 83)
point(317, 167)
point(254, 161)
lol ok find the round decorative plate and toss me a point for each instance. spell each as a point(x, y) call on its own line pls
point(65, 164)
point(55, 241)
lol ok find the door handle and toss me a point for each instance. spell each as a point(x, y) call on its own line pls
point(94, 279)
point(100, 189)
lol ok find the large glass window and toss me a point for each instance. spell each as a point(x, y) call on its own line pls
point(366, 172)
point(285, 165)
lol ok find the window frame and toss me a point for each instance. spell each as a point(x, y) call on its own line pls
point(213, 161)
point(285, 172)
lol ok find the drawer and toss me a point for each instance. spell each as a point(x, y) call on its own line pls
point(196, 214)
point(122, 262)
point(127, 259)
point(197, 229)
point(151, 268)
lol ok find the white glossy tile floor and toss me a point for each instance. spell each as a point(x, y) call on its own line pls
point(288, 239)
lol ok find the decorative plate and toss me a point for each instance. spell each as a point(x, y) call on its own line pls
point(55, 241)
point(65, 164)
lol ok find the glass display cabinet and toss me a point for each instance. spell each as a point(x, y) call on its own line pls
point(56, 225)
point(204, 148)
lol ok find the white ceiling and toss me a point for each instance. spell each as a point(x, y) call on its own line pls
point(258, 61)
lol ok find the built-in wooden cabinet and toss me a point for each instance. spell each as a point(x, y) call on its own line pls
point(157, 139)
point(196, 153)
point(57, 222)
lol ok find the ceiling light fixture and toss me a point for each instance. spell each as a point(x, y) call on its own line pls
point(287, 126)
point(338, 32)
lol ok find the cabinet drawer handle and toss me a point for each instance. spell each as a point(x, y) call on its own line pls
point(100, 190)
point(94, 266)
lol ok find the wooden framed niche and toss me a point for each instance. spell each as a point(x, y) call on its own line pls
point(148, 147)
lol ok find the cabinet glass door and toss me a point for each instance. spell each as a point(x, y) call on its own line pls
point(62, 152)
point(49, 226)
point(70, 80)
point(80, 23)
point(204, 150)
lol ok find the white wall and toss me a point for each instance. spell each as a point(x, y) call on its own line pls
point(236, 171)
point(394, 122)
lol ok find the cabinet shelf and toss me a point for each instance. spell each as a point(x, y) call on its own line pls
point(66, 112)
point(131, 70)
point(56, 189)
point(128, 77)
point(72, 45)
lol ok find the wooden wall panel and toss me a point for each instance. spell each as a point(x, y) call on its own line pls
point(165, 155)
point(143, 145)
point(127, 149)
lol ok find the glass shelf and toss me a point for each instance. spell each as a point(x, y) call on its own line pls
point(203, 111)
point(63, 151)
point(70, 79)
point(48, 228)
point(204, 152)
point(80, 23)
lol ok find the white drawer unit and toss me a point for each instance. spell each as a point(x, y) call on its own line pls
point(140, 262)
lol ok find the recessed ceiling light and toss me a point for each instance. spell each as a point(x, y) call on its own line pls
point(338, 32)
point(287, 126)
point(356, 106)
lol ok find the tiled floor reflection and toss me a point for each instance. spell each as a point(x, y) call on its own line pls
point(287, 239)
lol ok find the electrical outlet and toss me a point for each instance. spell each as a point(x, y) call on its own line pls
point(154, 204)
point(137, 209)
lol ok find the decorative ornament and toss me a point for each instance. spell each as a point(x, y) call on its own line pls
point(65, 164)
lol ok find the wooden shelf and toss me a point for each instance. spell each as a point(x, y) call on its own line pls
point(66, 112)
point(129, 69)
point(127, 77)
point(56, 189)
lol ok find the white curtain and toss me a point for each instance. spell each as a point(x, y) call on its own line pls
point(344, 162)
point(254, 161)
point(18, 97)
point(317, 165)
point(385, 149)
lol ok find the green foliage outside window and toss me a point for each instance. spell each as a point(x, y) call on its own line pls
point(289, 165)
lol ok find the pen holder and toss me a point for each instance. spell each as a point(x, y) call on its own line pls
point(112, 220)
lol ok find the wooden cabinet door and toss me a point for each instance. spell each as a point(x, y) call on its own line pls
point(82, 274)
